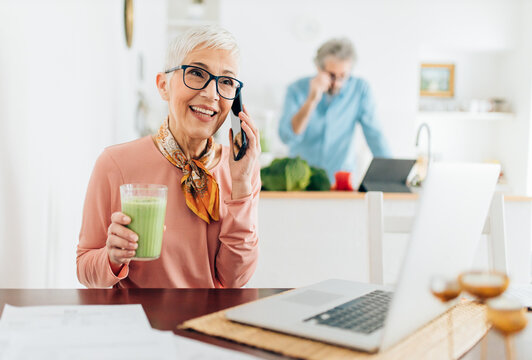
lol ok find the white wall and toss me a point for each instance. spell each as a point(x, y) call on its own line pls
point(470, 25)
point(484, 37)
point(515, 138)
point(526, 38)
point(68, 89)
point(150, 42)
point(54, 119)
point(279, 40)
point(493, 59)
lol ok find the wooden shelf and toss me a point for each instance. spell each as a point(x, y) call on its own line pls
point(464, 115)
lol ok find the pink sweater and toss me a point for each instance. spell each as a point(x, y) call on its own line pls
point(194, 253)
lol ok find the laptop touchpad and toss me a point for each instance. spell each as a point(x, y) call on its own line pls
point(312, 297)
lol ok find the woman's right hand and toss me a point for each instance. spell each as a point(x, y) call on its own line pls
point(121, 241)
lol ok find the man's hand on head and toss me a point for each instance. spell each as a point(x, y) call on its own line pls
point(320, 84)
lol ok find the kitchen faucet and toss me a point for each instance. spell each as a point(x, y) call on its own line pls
point(421, 127)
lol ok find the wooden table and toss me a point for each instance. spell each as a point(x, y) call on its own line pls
point(165, 308)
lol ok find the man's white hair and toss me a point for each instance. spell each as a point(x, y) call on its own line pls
point(339, 48)
point(208, 37)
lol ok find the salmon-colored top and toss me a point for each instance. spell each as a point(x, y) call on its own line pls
point(194, 253)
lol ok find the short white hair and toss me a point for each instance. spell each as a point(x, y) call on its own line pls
point(339, 48)
point(208, 36)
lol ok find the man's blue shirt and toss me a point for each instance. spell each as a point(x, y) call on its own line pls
point(328, 140)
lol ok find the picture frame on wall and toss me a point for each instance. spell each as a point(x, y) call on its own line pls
point(437, 80)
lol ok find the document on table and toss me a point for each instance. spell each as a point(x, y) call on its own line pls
point(110, 332)
point(83, 332)
point(73, 316)
point(86, 344)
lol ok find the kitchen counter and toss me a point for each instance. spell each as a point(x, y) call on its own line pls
point(305, 237)
point(355, 195)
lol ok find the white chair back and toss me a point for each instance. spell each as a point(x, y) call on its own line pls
point(379, 224)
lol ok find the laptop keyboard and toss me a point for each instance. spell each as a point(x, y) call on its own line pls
point(364, 314)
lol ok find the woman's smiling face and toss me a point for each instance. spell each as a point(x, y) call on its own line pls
point(198, 114)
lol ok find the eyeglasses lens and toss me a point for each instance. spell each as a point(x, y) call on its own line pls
point(196, 78)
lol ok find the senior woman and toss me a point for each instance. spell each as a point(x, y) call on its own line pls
point(205, 243)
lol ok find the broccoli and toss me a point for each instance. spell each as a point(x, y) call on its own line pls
point(286, 174)
point(293, 174)
point(319, 181)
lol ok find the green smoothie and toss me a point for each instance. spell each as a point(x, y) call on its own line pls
point(147, 221)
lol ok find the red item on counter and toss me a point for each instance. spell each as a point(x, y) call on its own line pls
point(343, 181)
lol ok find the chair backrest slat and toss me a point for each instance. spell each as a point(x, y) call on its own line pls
point(379, 224)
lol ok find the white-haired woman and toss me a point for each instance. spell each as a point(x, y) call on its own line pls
point(206, 243)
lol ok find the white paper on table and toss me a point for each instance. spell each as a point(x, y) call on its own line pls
point(192, 349)
point(107, 332)
point(88, 344)
point(127, 345)
point(73, 316)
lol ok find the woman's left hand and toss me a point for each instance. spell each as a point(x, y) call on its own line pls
point(242, 169)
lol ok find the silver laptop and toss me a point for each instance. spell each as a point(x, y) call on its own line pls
point(452, 210)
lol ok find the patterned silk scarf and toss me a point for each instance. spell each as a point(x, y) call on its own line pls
point(198, 184)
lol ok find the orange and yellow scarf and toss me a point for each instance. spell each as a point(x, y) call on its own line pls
point(198, 184)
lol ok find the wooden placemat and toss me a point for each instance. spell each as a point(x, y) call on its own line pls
point(436, 340)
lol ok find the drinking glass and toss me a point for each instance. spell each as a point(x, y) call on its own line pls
point(508, 316)
point(145, 204)
point(446, 289)
point(484, 285)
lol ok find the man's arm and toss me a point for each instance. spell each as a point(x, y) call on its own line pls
point(297, 111)
point(370, 125)
point(318, 86)
point(301, 118)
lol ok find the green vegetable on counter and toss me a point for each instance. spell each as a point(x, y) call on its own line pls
point(293, 174)
point(319, 181)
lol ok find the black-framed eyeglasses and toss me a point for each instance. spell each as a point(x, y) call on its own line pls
point(197, 78)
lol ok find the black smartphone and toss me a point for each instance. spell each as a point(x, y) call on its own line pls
point(240, 141)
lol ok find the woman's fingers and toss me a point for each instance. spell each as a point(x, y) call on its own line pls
point(121, 241)
point(247, 119)
point(120, 250)
point(252, 138)
point(122, 231)
point(117, 242)
point(120, 218)
point(250, 129)
point(121, 256)
point(247, 125)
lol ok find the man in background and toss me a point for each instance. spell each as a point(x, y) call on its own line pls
point(320, 112)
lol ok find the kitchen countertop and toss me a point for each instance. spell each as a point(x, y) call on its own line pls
point(354, 195)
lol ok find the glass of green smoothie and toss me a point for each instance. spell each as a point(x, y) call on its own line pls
point(145, 204)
